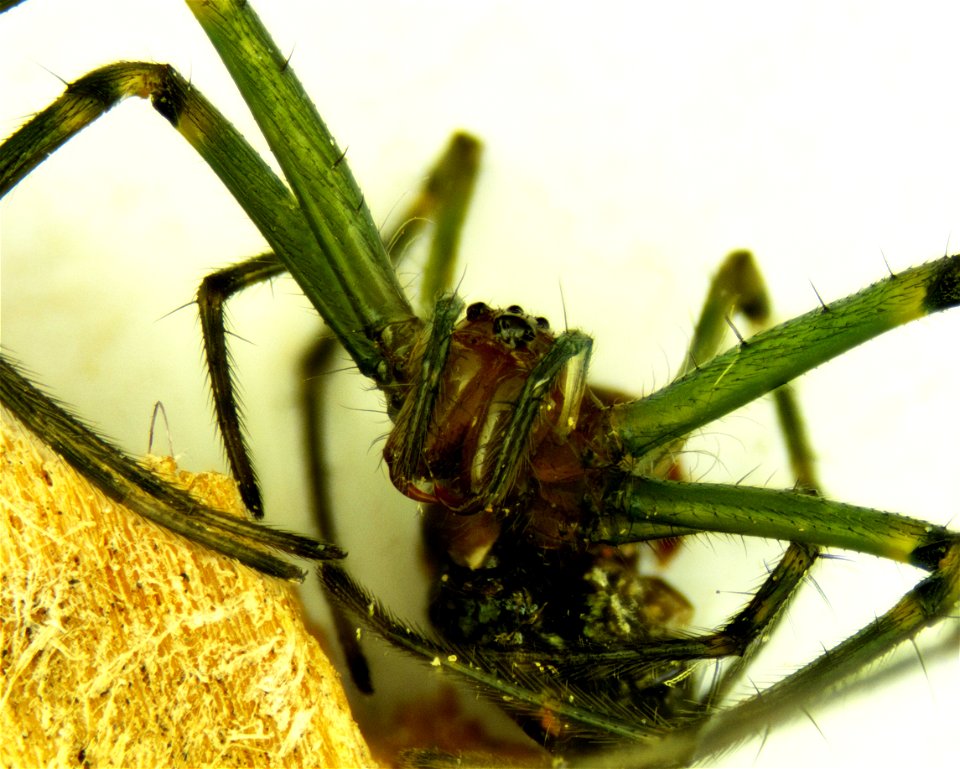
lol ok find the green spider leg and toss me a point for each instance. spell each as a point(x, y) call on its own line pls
point(440, 207)
point(344, 291)
point(738, 289)
point(121, 478)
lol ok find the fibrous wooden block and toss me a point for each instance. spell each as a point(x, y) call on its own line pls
point(122, 644)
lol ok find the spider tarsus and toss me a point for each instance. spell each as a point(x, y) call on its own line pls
point(250, 494)
point(359, 668)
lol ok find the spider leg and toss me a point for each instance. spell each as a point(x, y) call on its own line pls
point(214, 291)
point(441, 204)
point(823, 678)
point(314, 366)
point(773, 357)
point(932, 548)
point(440, 207)
point(632, 504)
point(920, 607)
point(781, 515)
point(351, 264)
point(262, 194)
point(490, 671)
point(738, 287)
point(123, 479)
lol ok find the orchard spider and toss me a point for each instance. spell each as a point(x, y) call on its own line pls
point(618, 480)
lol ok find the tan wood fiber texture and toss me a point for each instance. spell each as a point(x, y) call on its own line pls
point(125, 645)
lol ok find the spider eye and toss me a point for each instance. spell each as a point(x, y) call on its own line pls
point(516, 309)
point(477, 310)
point(513, 330)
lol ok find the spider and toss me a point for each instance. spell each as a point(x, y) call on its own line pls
point(510, 297)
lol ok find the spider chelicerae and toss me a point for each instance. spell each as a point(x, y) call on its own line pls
point(511, 296)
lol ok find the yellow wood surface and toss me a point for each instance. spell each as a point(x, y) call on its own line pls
point(125, 645)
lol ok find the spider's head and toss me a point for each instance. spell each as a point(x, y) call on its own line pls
point(511, 327)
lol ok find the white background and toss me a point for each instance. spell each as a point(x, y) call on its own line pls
point(628, 148)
